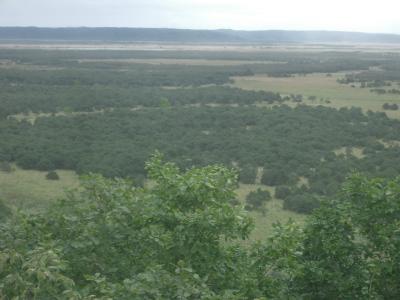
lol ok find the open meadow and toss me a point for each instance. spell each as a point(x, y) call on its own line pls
point(29, 190)
point(325, 88)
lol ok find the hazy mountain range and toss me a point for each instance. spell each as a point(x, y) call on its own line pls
point(111, 34)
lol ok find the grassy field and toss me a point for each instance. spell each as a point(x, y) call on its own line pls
point(274, 213)
point(323, 87)
point(31, 190)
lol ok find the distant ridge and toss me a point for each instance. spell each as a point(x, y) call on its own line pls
point(113, 34)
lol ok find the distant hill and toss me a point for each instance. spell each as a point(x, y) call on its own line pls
point(111, 34)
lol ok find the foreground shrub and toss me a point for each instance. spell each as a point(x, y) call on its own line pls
point(5, 211)
point(117, 240)
point(178, 240)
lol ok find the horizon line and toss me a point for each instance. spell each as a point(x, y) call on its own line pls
point(198, 29)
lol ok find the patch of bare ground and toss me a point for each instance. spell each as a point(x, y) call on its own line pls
point(347, 151)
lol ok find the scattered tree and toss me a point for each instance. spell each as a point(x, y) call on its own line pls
point(255, 200)
point(52, 175)
point(282, 192)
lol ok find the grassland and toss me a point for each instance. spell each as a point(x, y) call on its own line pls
point(30, 190)
point(322, 87)
point(274, 212)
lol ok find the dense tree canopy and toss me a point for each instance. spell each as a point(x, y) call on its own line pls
point(288, 143)
point(17, 99)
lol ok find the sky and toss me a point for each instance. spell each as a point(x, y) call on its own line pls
point(343, 15)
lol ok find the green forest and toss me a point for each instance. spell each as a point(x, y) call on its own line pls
point(288, 143)
point(164, 145)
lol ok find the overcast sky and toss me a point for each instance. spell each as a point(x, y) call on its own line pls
point(347, 15)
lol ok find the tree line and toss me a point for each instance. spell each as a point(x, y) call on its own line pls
point(38, 98)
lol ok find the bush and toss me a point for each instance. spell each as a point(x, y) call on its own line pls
point(256, 200)
point(52, 175)
point(388, 106)
point(6, 167)
point(282, 192)
point(312, 98)
point(301, 203)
